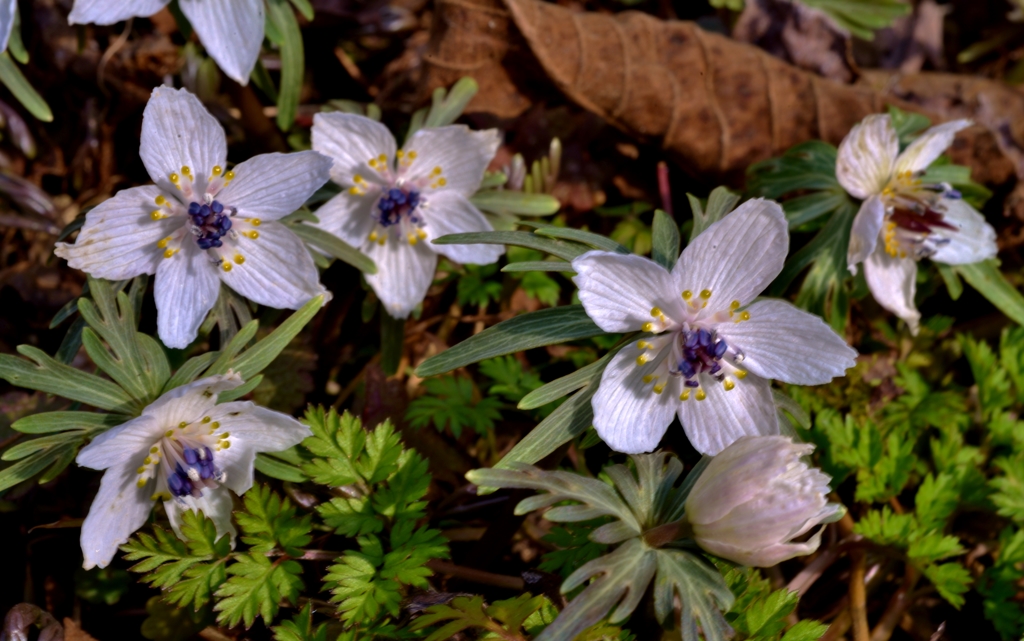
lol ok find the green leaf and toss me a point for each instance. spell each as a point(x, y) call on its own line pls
point(190, 569)
point(47, 375)
point(700, 589)
point(596, 241)
point(448, 105)
point(933, 547)
point(535, 329)
point(49, 422)
point(539, 265)
point(806, 630)
point(191, 370)
point(335, 247)
point(952, 580)
point(255, 587)
point(300, 627)
point(50, 453)
point(556, 389)
point(281, 16)
point(362, 594)
point(501, 201)
point(937, 498)
point(990, 283)
point(392, 341)
point(269, 523)
point(573, 546)
point(347, 454)
point(721, 201)
point(862, 17)
point(566, 250)
point(664, 240)
point(304, 7)
point(13, 79)
point(453, 402)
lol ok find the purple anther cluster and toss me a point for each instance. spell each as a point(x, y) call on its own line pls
point(182, 482)
point(396, 203)
point(209, 224)
point(700, 353)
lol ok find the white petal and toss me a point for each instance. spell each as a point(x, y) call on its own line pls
point(190, 403)
point(628, 415)
point(214, 502)
point(737, 257)
point(271, 186)
point(404, 274)
point(278, 270)
point(866, 157)
point(724, 416)
point(864, 233)
point(104, 12)
point(351, 141)
point(619, 291)
point(973, 241)
point(231, 31)
point(119, 444)
point(348, 216)
point(929, 146)
point(252, 429)
point(448, 212)
point(788, 344)
point(461, 153)
point(178, 131)
point(7, 10)
point(120, 508)
point(762, 557)
point(186, 289)
point(118, 240)
point(893, 283)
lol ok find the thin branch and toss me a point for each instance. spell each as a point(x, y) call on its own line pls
point(898, 604)
point(858, 596)
point(476, 576)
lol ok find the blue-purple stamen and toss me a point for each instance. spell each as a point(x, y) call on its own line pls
point(183, 481)
point(209, 224)
point(396, 203)
point(699, 353)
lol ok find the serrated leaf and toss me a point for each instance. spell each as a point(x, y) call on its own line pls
point(269, 522)
point(345, 453)
point(300, 627)
point(952, 580)
point(256, 587)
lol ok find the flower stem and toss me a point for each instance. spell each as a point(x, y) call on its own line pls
point(858, 597)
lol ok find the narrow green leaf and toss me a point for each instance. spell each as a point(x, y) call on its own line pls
point(447, 108)
point(335, 247)
point(305, 8)
point(260, 77)
point(47, 375)
point(560, 248)
point(276, 468)
point(953, 283)
point(231, 350)
point(569, 420)
point(535, 329)
point(13, 79)
point(515, 202)
point(257, 357)
point(556, 389)
point(990, 283)
point(241, 390)
point(15, 45)
point(664, 240)
point(49, 422)
point(282, 17)
point(392, 341)
point(28, 467)
point(539, 266)
point(721, 201)
point(596, 241)
point(190, 370)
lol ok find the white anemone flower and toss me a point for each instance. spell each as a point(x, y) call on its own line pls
point(710, 348)
point(755, 497)
point(231, 30)
point(200, 225)
point(903, 220)
point(184, 450)
point(8, 9)
point(395, 200)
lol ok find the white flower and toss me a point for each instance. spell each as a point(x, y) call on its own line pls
point(8, 9)
point(231, 30)
point(903, 220)
point(184, 450)
point(200, 225)
point(711, 348)
point(757, 496)
point(396, 200)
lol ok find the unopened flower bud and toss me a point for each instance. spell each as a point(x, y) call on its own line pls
point(755, 497)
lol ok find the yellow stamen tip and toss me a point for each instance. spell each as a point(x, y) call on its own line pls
point(701, 395)
point(225, 444)
point(659, 388)
point(441, 182)
point(705, 294)
point(163, 243)
point(169, 433)
point(734, 305)
point(140, 470)
point(412, 155)
point(372, 237)
point(399, 153)
point(160, 200)
point(648, 378)
point(687, 294)
point(641, 359)
point(207, 419)
point(656, 311)
point(740, 374)
point(728, 385)
point(214, 425)
point(217, 170)
point(141, 483)
point(169, 253)
point(154, 449)
point(226, 266)
point(647, 327)
point(239, 259)
point(229, 176)
point(174, 178)
point(224, 435)
point(745, 316)
point(156, 215)
point(182, 425)
point(685, 396)
point(255, 222)
point(422, 234)
point(412, 239)
point(147, 461)
point(354, 191)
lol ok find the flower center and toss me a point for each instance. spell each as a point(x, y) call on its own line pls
point(697, 352)
point(188, 455)
point(914, 211)
point(209, 223)
point(398, 203)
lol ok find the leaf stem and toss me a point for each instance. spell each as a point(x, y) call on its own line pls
point(476, 576)
point(664, 534)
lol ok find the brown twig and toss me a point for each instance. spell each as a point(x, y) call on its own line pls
point(803, 581)
point(476, 576)
point(858, 596)
point(898, 604)
point(664, 188)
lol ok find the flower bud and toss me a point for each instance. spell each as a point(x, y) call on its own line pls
point(755, 497)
